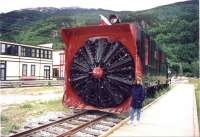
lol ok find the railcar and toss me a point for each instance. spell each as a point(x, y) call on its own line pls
point(101, 63)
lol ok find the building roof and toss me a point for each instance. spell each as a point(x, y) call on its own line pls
point(47, 45)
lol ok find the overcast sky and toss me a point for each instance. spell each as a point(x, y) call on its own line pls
point(117, 5)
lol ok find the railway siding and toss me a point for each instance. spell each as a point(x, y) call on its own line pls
point(98, 128)
point(83, 123)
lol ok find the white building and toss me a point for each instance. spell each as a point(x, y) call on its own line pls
point(25, 62)
point(58, 64)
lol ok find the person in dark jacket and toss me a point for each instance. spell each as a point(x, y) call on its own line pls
point(138, 95)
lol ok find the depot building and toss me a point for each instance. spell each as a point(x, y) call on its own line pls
point(25, 62)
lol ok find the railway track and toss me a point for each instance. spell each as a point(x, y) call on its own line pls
point(88, 123)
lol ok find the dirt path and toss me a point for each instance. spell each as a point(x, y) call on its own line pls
point(31, 90)
point(18, 99)
point(16, 96)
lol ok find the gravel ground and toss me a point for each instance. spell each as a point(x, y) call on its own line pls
point(31, 90)
point(7, 100)
point(16, 96)
point(33, 121)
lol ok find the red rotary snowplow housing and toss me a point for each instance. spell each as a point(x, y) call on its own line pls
point(74, 39)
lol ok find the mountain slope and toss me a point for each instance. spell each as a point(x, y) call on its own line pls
point(174, 27)
point(12, 23)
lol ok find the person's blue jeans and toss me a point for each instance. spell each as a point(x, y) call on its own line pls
point(133, 111)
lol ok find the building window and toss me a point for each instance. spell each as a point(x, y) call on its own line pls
point(2, 48)
point(33, 52)
point(61, 72)
point(61, 58)
point(41, 53)
point(7, 49)
point(24, 69)
point(28, 52)
point(2, 70)
point(37, 53)
point(32, 70)
point(49, 54)
point(45, 54)
point(46, 72)
point(23, 51)
point(12, 50)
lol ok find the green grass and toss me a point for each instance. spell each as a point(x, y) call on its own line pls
point(198, 104)
point(197, 93)
point(196, 83)
point(14, 117)
point(7, 125)
point(26, 106)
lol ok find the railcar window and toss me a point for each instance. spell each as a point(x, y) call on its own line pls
point(146, 51)
point(153, 46)
point(141, 46)
point(162, 63)
point(139, 42)
point(146, 54)
point(163, 68)
point(152, 53)
point(156, 60)
point(159, 55)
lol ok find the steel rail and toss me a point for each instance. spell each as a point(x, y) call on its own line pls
point(82, 126)
point(26, 132)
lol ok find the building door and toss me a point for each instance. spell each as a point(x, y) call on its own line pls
point(55, 73)
point(2, 70)
point(24, 70)
point(47, 72)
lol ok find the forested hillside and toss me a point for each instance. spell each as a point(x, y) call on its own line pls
point(174, 27)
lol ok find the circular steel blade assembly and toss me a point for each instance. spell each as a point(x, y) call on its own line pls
point(102, 72)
